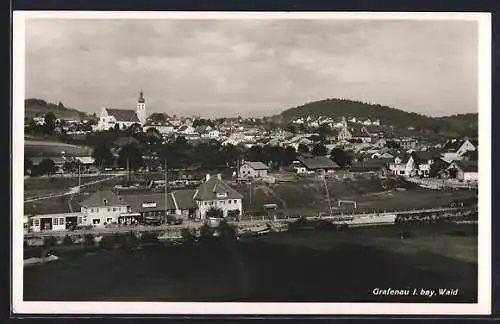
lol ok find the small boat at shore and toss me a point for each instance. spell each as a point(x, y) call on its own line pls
point(35, 261)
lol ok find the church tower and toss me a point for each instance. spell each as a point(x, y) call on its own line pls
point(141, 108)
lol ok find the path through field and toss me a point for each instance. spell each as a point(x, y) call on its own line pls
point(71, 191)
point(271, 192)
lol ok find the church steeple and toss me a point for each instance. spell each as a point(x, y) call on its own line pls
point(141, 97)
point(141, 108)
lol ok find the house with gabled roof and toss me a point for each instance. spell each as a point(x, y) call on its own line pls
point(423, 161)
point(401, 165)
point(185, 130)
point(317, 164)
point(215, 193)
point(466, 171)
point(123, 118)
point(253, 170)
point(103, 207)
point(159, 121)
point(455, 149)
point(378, 166)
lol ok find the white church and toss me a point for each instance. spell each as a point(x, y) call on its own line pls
point(124, 118)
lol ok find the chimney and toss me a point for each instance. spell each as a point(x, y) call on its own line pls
point(207, 177)
point(219, 176)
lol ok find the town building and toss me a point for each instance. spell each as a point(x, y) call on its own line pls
point(344, 134)
point(401, 166)
point(52, 222)
point(160, 122)
point(353, 132)
point(253, 170)
point(124, 118)
point(104, 207)
point(215, 193)
point(159, 205)
point(317, 164)
point(455, 149)
point(423, 161)
point(466, 171)
point(185, 130)
point(376, 166)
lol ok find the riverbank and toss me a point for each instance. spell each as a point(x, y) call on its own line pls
point(326, 266)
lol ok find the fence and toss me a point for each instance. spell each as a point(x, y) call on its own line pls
point(256, 222)
point(439, 184)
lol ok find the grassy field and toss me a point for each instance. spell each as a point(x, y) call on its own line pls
point(314, 266)
point(34, 147)
point(42, 187)
point(308, 196)
point(35, 187)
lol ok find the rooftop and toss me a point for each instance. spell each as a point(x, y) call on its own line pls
point(214, 186)
point(257, 165)
point(123, 115)
point(103, 198)
point(317, 163)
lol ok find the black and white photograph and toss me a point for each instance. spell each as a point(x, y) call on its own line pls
point(252, 163)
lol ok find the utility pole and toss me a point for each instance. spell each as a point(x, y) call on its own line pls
point(166, 196)
point(327, 195)
point(250, 202)
point(79, 181)
point(128, 169)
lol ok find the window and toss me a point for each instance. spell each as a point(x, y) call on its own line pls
point(222, 202)
point(37, 222)
point(206, 203)
point(61, 221)
point(229, 201)
point(79, 220)
point(235, 201)
point(109, 220)
point(211, 203)
point(114, 209)
point(96, 221)
point(109, 209)
point(56, 221)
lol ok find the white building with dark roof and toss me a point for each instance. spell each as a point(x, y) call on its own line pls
point(160, 122)
point(215, 193)
point(253, 170)
point(103, 207)
point(124, 118)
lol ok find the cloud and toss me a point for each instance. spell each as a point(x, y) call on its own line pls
point(252, 67)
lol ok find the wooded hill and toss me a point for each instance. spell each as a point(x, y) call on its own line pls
point(457, 125)
point(38, 108)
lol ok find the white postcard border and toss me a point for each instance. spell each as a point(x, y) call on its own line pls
point(483, 307)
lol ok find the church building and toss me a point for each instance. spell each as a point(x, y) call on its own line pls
point(124, 118)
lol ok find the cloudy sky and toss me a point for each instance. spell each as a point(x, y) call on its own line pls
point(252, 67)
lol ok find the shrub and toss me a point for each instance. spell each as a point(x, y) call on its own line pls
point(234, 214)
point(227, 231)
point(49, 241)
point(149, 238)
point(214, 212)
point(106, 242)
point(206, 232)
point(120, 239)
point(131, 240)
point(88, 240)
point(67, 240)
point(188, 236)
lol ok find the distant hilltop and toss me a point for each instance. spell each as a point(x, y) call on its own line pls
point(34, 107)
point(337, 108)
